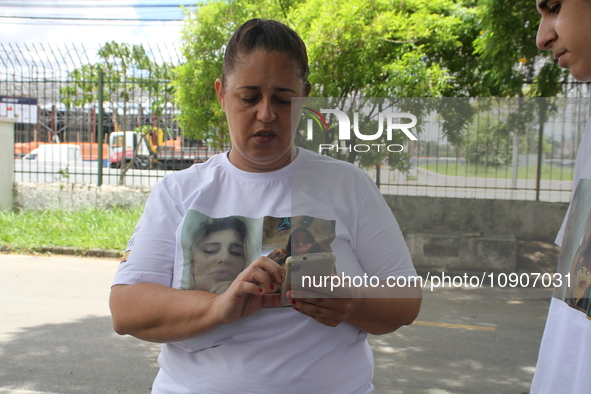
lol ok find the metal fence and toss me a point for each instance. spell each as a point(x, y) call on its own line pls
point(52, 89)
point(496, 166)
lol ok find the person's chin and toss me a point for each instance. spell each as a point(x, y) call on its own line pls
point(582, 77)
point(270, 155)
point(582, 74)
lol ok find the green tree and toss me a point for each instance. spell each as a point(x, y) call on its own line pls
point(502, 125)
point(375, 48)
point(379, 48)
point(128, 70)
point(510, 60)
point(512, 66)
point(207, 30)
point(487, 142)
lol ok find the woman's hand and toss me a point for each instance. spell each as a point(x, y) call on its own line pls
point(376, 311)
point(328, 311)
point(253, 289)
point(158, 313)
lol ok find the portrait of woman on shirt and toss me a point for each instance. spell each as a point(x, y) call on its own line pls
point(218, 254)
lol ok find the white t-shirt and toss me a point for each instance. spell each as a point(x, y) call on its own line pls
point(565, 352)
point(583, 155)
point(274, 350)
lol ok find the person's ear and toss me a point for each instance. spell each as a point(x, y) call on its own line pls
point(219, 89)
point(307, 88)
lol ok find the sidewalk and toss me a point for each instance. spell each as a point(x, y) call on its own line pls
point(56, 334)
point(56, 338)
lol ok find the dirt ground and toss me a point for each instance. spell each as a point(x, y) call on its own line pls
point(536, 256)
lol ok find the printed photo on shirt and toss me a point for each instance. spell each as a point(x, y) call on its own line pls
point(216, 250)
point(574, 263)
point(296, 236)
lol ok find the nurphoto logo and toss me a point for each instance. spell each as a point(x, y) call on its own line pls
point(392, 120)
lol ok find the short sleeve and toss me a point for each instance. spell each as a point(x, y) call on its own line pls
point(380, 245)
point(150, 253)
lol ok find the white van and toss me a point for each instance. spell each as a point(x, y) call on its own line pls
point(64, 154)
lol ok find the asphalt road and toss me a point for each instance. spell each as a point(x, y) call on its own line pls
point(56, 338)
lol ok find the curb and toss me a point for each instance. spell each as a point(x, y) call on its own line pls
point(61, 250)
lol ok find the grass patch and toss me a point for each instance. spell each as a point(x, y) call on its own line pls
point(85, 229)
point(479, 171)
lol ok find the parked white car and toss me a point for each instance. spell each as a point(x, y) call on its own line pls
point(63, 155)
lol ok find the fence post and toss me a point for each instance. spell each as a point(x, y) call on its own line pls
point(7, 163)
point(542, 117)
point(99, 135)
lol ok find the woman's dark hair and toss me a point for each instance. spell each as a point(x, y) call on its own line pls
point(229, 223)
point(267, 36)
point(315, 248)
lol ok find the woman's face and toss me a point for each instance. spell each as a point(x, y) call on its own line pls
point(218, 257)
point(300, 244)
point(565, 30)
point(257, 102)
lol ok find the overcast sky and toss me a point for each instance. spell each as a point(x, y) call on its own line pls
point(78, 21)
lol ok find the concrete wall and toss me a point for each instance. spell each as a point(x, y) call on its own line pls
point(455, 251)
point(74, 196)
point(526, 220)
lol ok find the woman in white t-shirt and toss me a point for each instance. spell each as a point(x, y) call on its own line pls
point(242, 340)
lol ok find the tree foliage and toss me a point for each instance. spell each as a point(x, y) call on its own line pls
point(127, 68)
point(378, 48)
point(512, 65)
point(490, 137)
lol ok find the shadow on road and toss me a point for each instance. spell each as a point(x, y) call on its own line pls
point(84, 356)
point(457, 346)
point(462, 346)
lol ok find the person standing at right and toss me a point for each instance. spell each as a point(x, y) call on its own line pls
point(564, 361)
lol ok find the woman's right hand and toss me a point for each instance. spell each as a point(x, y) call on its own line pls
point(159, 313)
point(254, 288)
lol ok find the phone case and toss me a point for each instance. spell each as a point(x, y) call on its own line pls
point(312, 265)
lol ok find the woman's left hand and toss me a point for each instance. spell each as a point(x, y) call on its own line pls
point(380, 311)
point(328, 311)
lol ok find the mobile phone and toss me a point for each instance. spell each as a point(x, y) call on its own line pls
point(313, 265)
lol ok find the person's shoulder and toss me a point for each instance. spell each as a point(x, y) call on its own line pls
point(315, 163)
point(322, 161)
point(193, 175)
point(197, 169)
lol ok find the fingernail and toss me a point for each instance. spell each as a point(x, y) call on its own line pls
point(293, 302)
point(260, 290)
point(272, 287)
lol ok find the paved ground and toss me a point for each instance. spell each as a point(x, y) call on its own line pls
point(56, 337)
